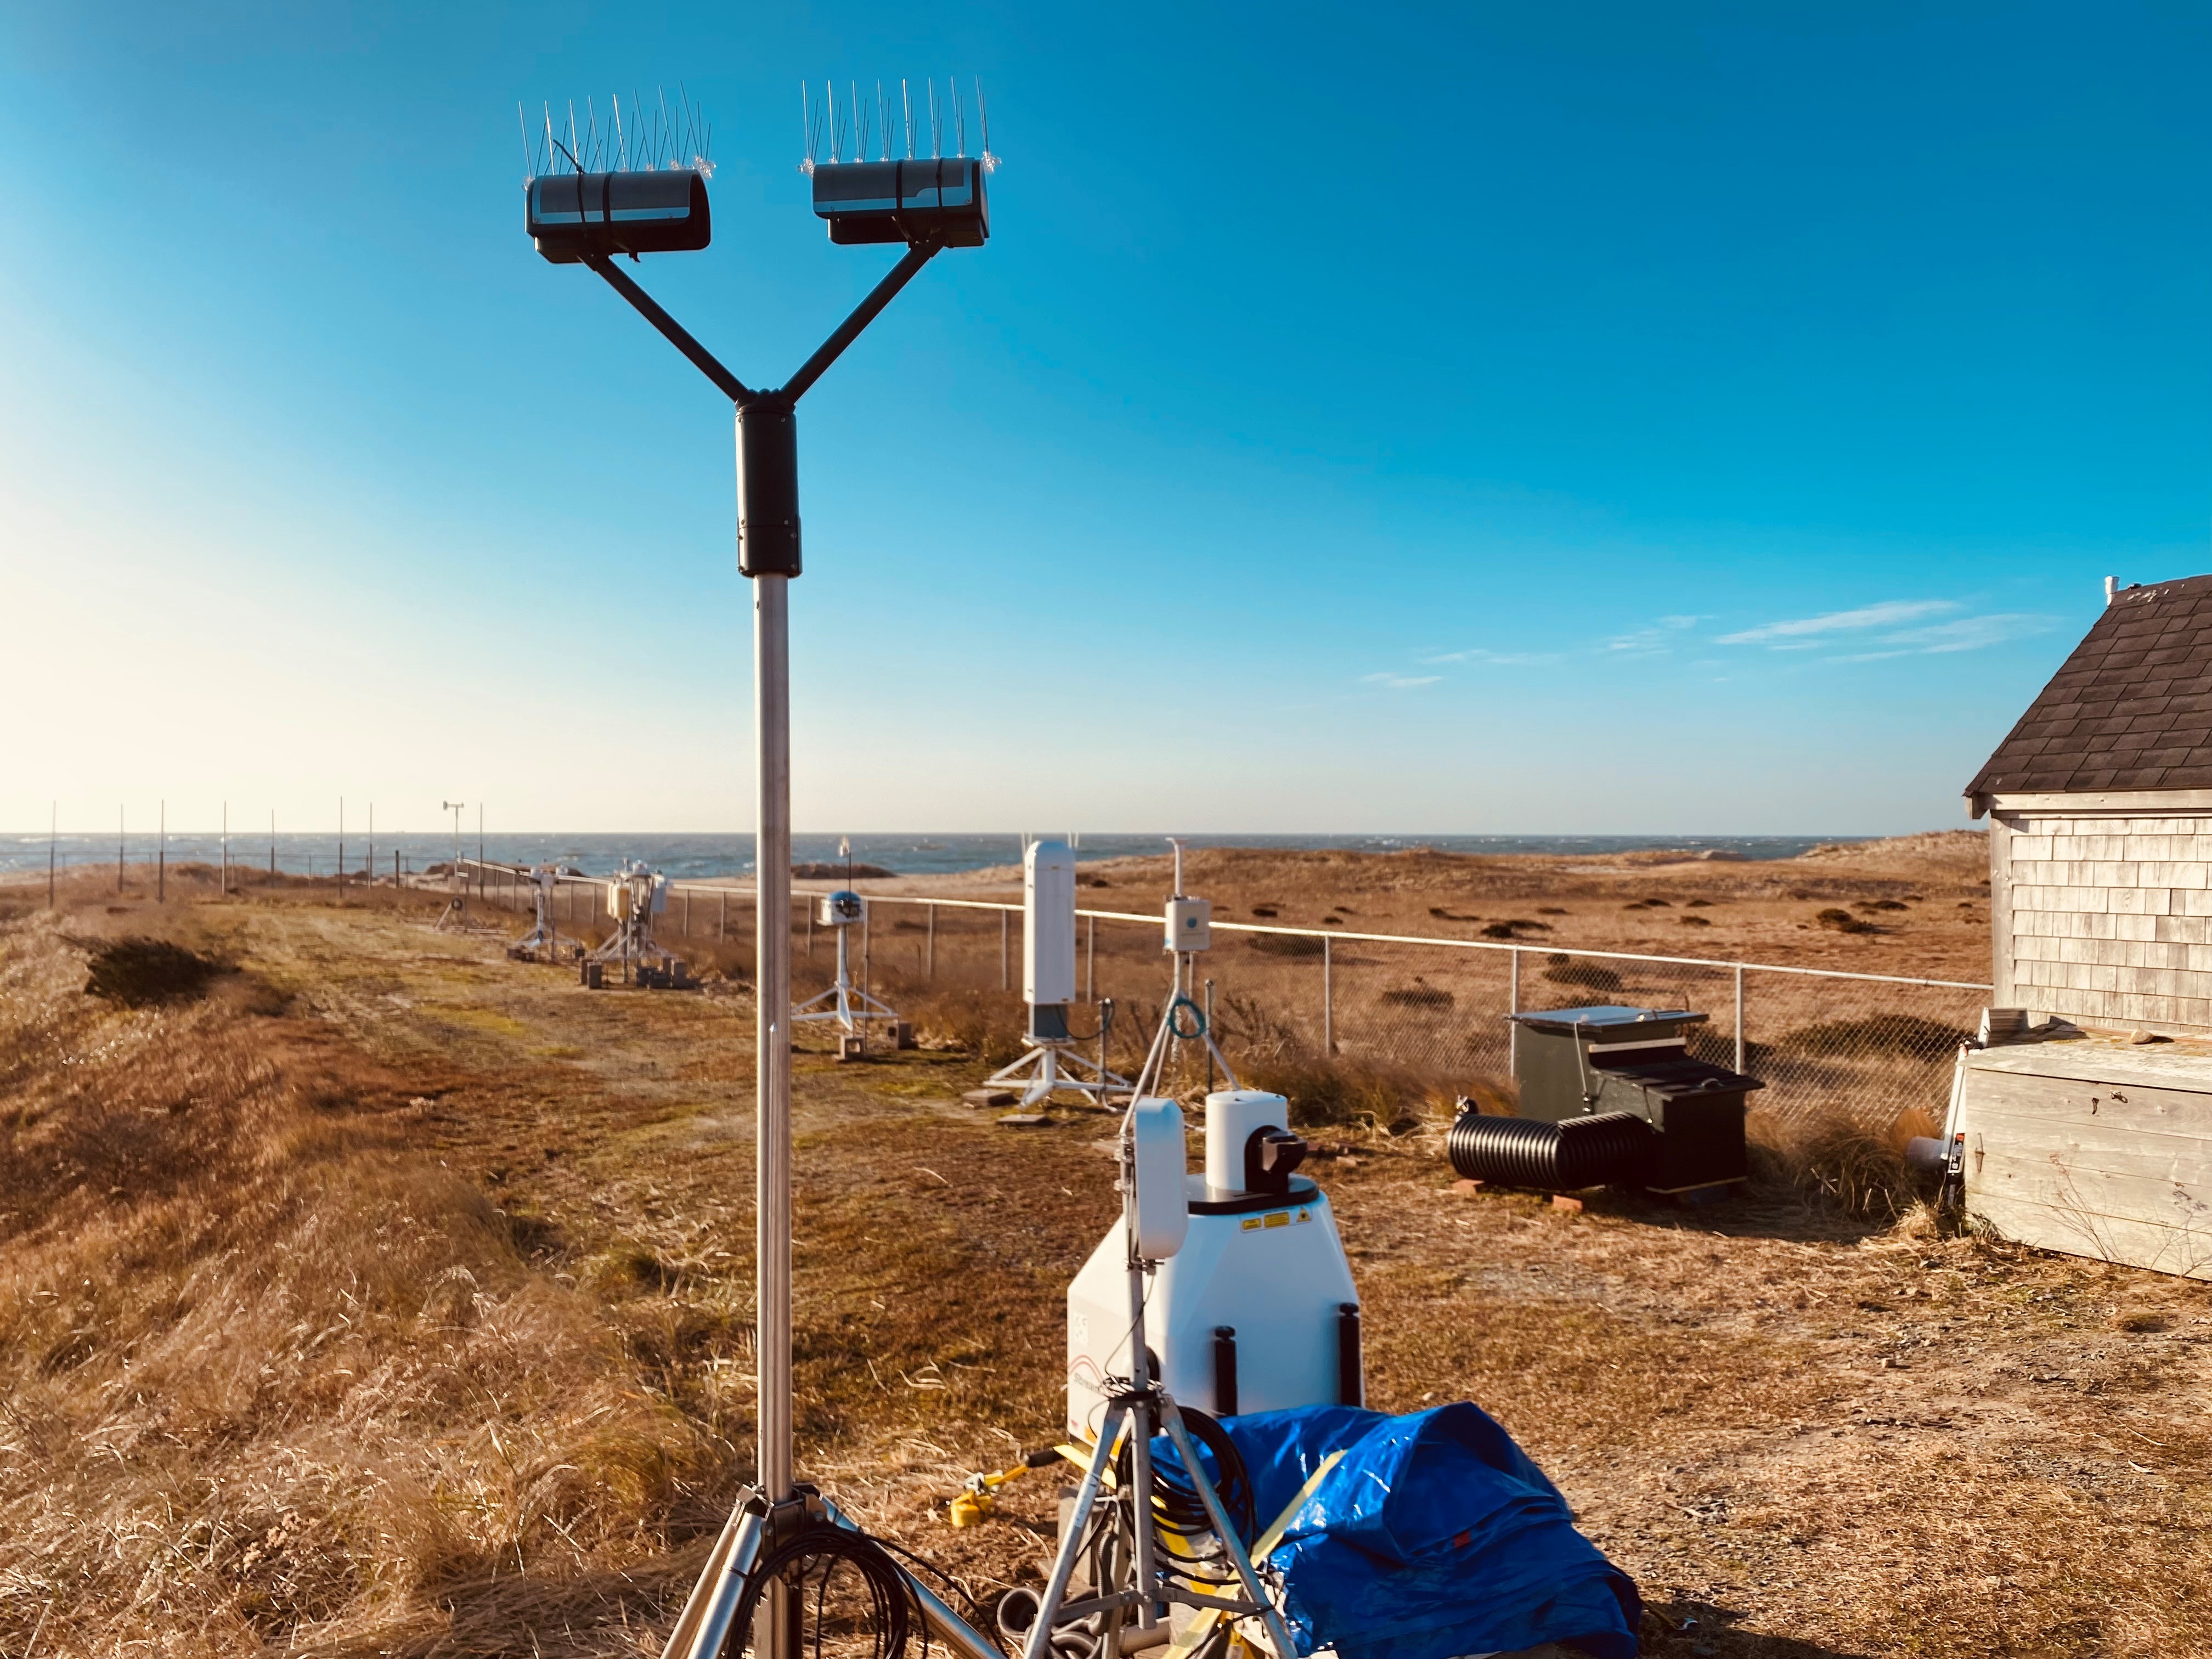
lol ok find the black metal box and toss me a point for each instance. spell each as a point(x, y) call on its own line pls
point(1577, 1062)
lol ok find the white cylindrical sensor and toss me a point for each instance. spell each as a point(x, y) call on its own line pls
point(1049, 923)
point(1232, 1117)
point(1162, 1209)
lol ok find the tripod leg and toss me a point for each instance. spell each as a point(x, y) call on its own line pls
point(1277, 1633)
point(1144, 1546)
point(1071, 1546)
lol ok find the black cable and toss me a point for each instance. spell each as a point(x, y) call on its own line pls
point(891, 1604)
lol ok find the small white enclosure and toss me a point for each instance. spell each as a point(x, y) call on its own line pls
point(1048, 923)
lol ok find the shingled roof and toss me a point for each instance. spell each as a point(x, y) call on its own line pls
point(2130, 709)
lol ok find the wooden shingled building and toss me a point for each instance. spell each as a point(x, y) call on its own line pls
point(2099, 802)
point(2087, 1125)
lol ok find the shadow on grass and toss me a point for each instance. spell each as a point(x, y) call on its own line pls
point(1677, 1630)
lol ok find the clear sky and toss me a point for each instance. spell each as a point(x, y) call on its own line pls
point(1518, 417)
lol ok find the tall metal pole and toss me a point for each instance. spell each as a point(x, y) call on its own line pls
point(54, 835)
point(222, 886)
point(118, 849)
point(161, 859)
point(772, 976)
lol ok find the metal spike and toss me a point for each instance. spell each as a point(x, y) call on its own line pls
point(806, 120)
point(906, 97)
point(574, 158)
point(884, 121)
point(859, 121)
point(959, 115)
point(831, 91)
point(983, 113)
point(549, 136)
point(622, 141)
point(523, 121)
point(660, 132)
point(936, 143)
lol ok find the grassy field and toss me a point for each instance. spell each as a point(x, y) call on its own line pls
point(373, 1294)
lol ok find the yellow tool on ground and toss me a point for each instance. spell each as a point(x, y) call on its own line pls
point(976, 1500)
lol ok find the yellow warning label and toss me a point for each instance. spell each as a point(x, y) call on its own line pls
point(1251, 1224)
point(1277, 1218)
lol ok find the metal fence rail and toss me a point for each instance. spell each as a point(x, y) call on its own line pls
point(1826, 1042)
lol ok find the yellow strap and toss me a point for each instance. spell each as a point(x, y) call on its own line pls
point(1202, 1626)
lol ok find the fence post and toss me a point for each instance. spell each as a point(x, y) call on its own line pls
point(1004, 983)
point(1090, 958)
point(1739, 1016)
point(1513, 1006)
point(161, 868)
point(1328, 998)
point(929, 944)
point(722, 925)
point(687, 913)
point(867, 957)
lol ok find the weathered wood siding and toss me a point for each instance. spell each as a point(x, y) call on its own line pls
point(2094, 1150)
point(2103, 918)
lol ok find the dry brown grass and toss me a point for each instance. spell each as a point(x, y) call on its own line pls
point(393, 1297)
point(265, 1370)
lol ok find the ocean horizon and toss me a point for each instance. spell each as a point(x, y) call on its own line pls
point(702, 856)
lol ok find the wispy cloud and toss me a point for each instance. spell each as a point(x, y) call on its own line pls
point(1655, 640)
point(1960, 634)
point(1806, 633)
point(1400, 682)
point(1495, 659)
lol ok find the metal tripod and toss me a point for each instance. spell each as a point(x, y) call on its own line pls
point(844, 1001)
point(1141, 1409)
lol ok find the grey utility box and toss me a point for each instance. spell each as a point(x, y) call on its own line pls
point(1577, 1062)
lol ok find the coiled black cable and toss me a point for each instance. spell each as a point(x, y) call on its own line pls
point(814, 1553)
point(1606, 1149)
point(1181, 1509)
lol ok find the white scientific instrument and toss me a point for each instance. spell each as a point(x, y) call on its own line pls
point(1254, 1309)
point(1053, 1061)
point(544, 881)
point(849, 1005)
point(635, 895)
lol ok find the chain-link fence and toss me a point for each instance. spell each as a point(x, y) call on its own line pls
point(1864, 1047)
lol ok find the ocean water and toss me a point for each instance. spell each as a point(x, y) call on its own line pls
point(704, 855)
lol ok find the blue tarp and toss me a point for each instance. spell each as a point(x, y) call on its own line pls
point(1435, 1536)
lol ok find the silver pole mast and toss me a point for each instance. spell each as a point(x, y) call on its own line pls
point(772, 978)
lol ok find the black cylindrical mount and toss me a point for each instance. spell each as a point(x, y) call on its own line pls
point(1224, 1370)
point(1350, 1378)
point(767, 489)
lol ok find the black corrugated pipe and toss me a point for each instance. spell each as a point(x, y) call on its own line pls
point(1609, 1149)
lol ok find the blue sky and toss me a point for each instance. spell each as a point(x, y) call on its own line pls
point(1608, 418)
